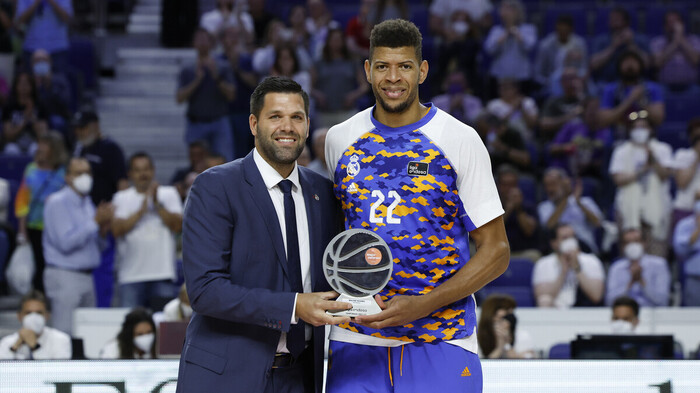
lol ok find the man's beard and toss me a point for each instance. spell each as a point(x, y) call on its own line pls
point(401, 107)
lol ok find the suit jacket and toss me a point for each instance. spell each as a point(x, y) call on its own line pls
point(236, 273)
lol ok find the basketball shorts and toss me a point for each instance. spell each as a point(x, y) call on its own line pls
point(441, 367)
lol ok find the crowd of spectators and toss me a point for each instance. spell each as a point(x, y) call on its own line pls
point(598, 193)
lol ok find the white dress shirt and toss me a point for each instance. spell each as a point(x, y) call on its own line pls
point(53, 344)
point(271, 178)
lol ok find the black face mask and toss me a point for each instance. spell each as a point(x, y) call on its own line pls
point(513, 321)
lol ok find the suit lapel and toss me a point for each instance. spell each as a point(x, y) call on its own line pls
point(261, 197)
point(313, 212)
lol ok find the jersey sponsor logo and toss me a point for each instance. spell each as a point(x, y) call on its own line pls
point(416, 168)
point(466, 372)
point(354, 166)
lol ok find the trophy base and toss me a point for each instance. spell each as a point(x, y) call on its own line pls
point(360, 306)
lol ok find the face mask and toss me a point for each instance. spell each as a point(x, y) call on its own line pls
point(83, 183)
point(621, 327)
point(639, 136)
point(460, 27)
point(41, 68)
point(186, 310)
point(634, 251)
point(568, 245)
point(144, 342)
point(34, 322)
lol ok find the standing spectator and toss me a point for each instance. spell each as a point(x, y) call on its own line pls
point(278, 35)
point(510, 43)
point(73, 227)
point(24, 119)
point(641, 169)
point(53, 92)
point(198, 152)
point(47, 24)
point(6, 25)
point(240, 60)
point(136, 339)
point(287, 64)
point(553, 49)
point(207, 86)
point(574, 58)
point(227, 13)
point(687, 248)
point(504, 144)
point(676, 54)
point(261, 19)
point(318, 24)
point(35, 340)
point(318, 147)
point(338, 82)
point(458, 100)
point(519, 217)
point(357, 31)
point(625, 315)
point(146, 218)
point(568, 277)
point(479, 12)
point(42, 177)
point(559, 110)
point(687, 176)
point(511, 106)
point(643, 277)
point(631, 93)
point(566, 205)
point(608, 49)
point(498, 337)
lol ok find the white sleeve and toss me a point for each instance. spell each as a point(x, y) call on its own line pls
point(5, 344)
point(170, 199)
point(683, 159)
point(591, 205)
point(62, 347)
point(617, 164)
point(121, 206)
point(664, 154)
point(591, 266)
point(543, 272)
point(544, 211)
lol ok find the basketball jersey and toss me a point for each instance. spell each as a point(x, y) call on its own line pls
point(422, 187)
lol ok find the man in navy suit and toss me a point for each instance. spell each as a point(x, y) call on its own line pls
point(254, 233)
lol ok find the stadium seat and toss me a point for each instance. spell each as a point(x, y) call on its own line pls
point(82, 57)
point(576, 11)
point(522, 295)
point(673, 133)
point(515, 281)
point(601, 18)
point(12, 166)
point(560, 351)
point(681, 106)
point(528, 186)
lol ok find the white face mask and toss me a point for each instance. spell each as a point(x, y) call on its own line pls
point(639, 135)
point(634, 251)
point(568, 245)
point(83, 183)
point(621, 327)
point(34, 322)
point(144, 342)
point(186, 310)
point(460, 27)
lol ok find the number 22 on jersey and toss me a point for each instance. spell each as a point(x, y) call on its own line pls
point(390, 219)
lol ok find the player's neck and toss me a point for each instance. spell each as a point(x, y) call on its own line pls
point(411, 115)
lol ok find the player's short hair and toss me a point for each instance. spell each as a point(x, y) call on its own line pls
point(627, 302)
point(275, 84)
point(396, 33)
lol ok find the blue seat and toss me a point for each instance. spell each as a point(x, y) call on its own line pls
point(681, 107)
point(560, 351)
point(82, 57)
point(528, 186)
point(515, 281)
point(523, 296)
point(601, 18)
point(12, 166)
point(673, 133)
point(578, 13)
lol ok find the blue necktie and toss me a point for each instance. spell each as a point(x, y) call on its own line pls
point(295, 338)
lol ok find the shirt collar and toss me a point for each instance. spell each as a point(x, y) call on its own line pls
point(74, 197)
point(270, 175)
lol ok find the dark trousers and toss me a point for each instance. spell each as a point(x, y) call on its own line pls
point(297, 378)
point(35, 236)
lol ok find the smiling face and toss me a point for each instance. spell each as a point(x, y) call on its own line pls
point(281, 130)
point(395, 74)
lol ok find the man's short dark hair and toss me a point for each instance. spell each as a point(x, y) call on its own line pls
point(634, 55)
point(555, 231)
point(140, 154)
point(623, 12)
point(629, 302)
point(396, 33)
point(275, 84)
point(565, 19)
point(34, 295)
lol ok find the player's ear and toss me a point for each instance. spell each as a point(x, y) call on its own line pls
point(368, 73)
point(423, 71)
point(253, 123)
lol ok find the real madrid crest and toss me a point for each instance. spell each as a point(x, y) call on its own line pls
point(354, 166)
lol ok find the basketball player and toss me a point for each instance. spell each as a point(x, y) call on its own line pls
point(422, 180)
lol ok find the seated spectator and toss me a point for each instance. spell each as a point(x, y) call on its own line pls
point(568, 277)
point(686, 245)
point(519, 217)
point(458, 100)
point(676, 54)
point(565, 204)
point(459, 49)
point(572, 58)
point(178, 309)
point(504, 144)
point(608, 48)
point(687, 176)
point(479, 12)
point(53, 91)
point(297, 27)
point(318, 24)
point(499, 337)
point(42, 177)
point(318, 147)
point(338, 82)
point(24, 118)
point(510, 43)
point(519, 111)
point(625, 315)
point(35, 340)
point(46, 27)
point(383, 10)
point(559, 110)
point(136, 339)
point(227, 13)
point(197, 153)
point(287, 64)
point(631, 93)
point(643, 277)
point(641, 169)
point(553, 49)
point(357, 31)
point(581, 146)
point(264, 56)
